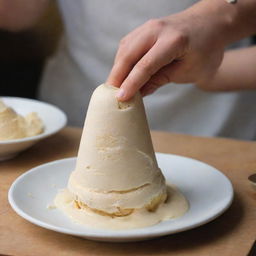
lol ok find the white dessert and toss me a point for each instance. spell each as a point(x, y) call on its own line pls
point(117, 183)
point(15, 126)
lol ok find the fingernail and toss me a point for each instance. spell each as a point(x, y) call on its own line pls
point(120, 94)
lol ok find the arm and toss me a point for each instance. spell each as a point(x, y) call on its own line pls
point(184, 48)
point(17, 15)
point(236, 72)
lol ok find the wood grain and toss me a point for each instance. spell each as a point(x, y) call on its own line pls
point(233, 233)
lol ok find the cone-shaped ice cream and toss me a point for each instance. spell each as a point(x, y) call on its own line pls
point(116, 183)
point(116, 171)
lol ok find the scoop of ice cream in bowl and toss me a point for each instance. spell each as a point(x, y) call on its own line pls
point(23, 122)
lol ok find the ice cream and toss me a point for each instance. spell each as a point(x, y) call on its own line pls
point(15, 126)
point(116, 175)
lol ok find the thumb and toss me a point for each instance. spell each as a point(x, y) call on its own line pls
point(162, 77)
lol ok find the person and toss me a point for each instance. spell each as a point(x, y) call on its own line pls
point(236, 72)
point(186, 46)
point(167, 49)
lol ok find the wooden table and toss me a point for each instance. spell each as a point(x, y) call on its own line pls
point(232, 234)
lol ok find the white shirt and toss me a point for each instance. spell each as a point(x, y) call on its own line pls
point(93, 29)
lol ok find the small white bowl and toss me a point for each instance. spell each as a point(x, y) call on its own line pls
point(53, 118)
point(208, 191)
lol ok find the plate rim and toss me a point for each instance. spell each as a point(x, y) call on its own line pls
point(114, 234)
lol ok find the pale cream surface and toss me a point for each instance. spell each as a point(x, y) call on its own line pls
point(175, 207)
point(116, 167)
point(117, 183)
point(15, 126)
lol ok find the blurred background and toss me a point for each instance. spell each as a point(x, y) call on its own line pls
point(23, 54)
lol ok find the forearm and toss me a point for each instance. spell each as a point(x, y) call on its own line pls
point(230, 22)
point(237, 72)
point(20, 14)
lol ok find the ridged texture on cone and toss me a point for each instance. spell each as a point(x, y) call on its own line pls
point(116, 170)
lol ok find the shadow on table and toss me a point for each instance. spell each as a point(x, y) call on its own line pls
point(189, 240)
point(195, 239)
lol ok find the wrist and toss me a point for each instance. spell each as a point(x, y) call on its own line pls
point(226, 22)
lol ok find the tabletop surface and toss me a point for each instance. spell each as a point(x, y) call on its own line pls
point(232, 233)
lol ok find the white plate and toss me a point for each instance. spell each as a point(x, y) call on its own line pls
point(53, 118)
point(209, 193)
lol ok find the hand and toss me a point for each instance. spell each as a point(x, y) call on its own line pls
point(236, 72)
point(181, 48)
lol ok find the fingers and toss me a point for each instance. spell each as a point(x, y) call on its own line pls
point(164, 76)
point(148, 89)
point(161, 54)
point(143, 53)
point(130, 51)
